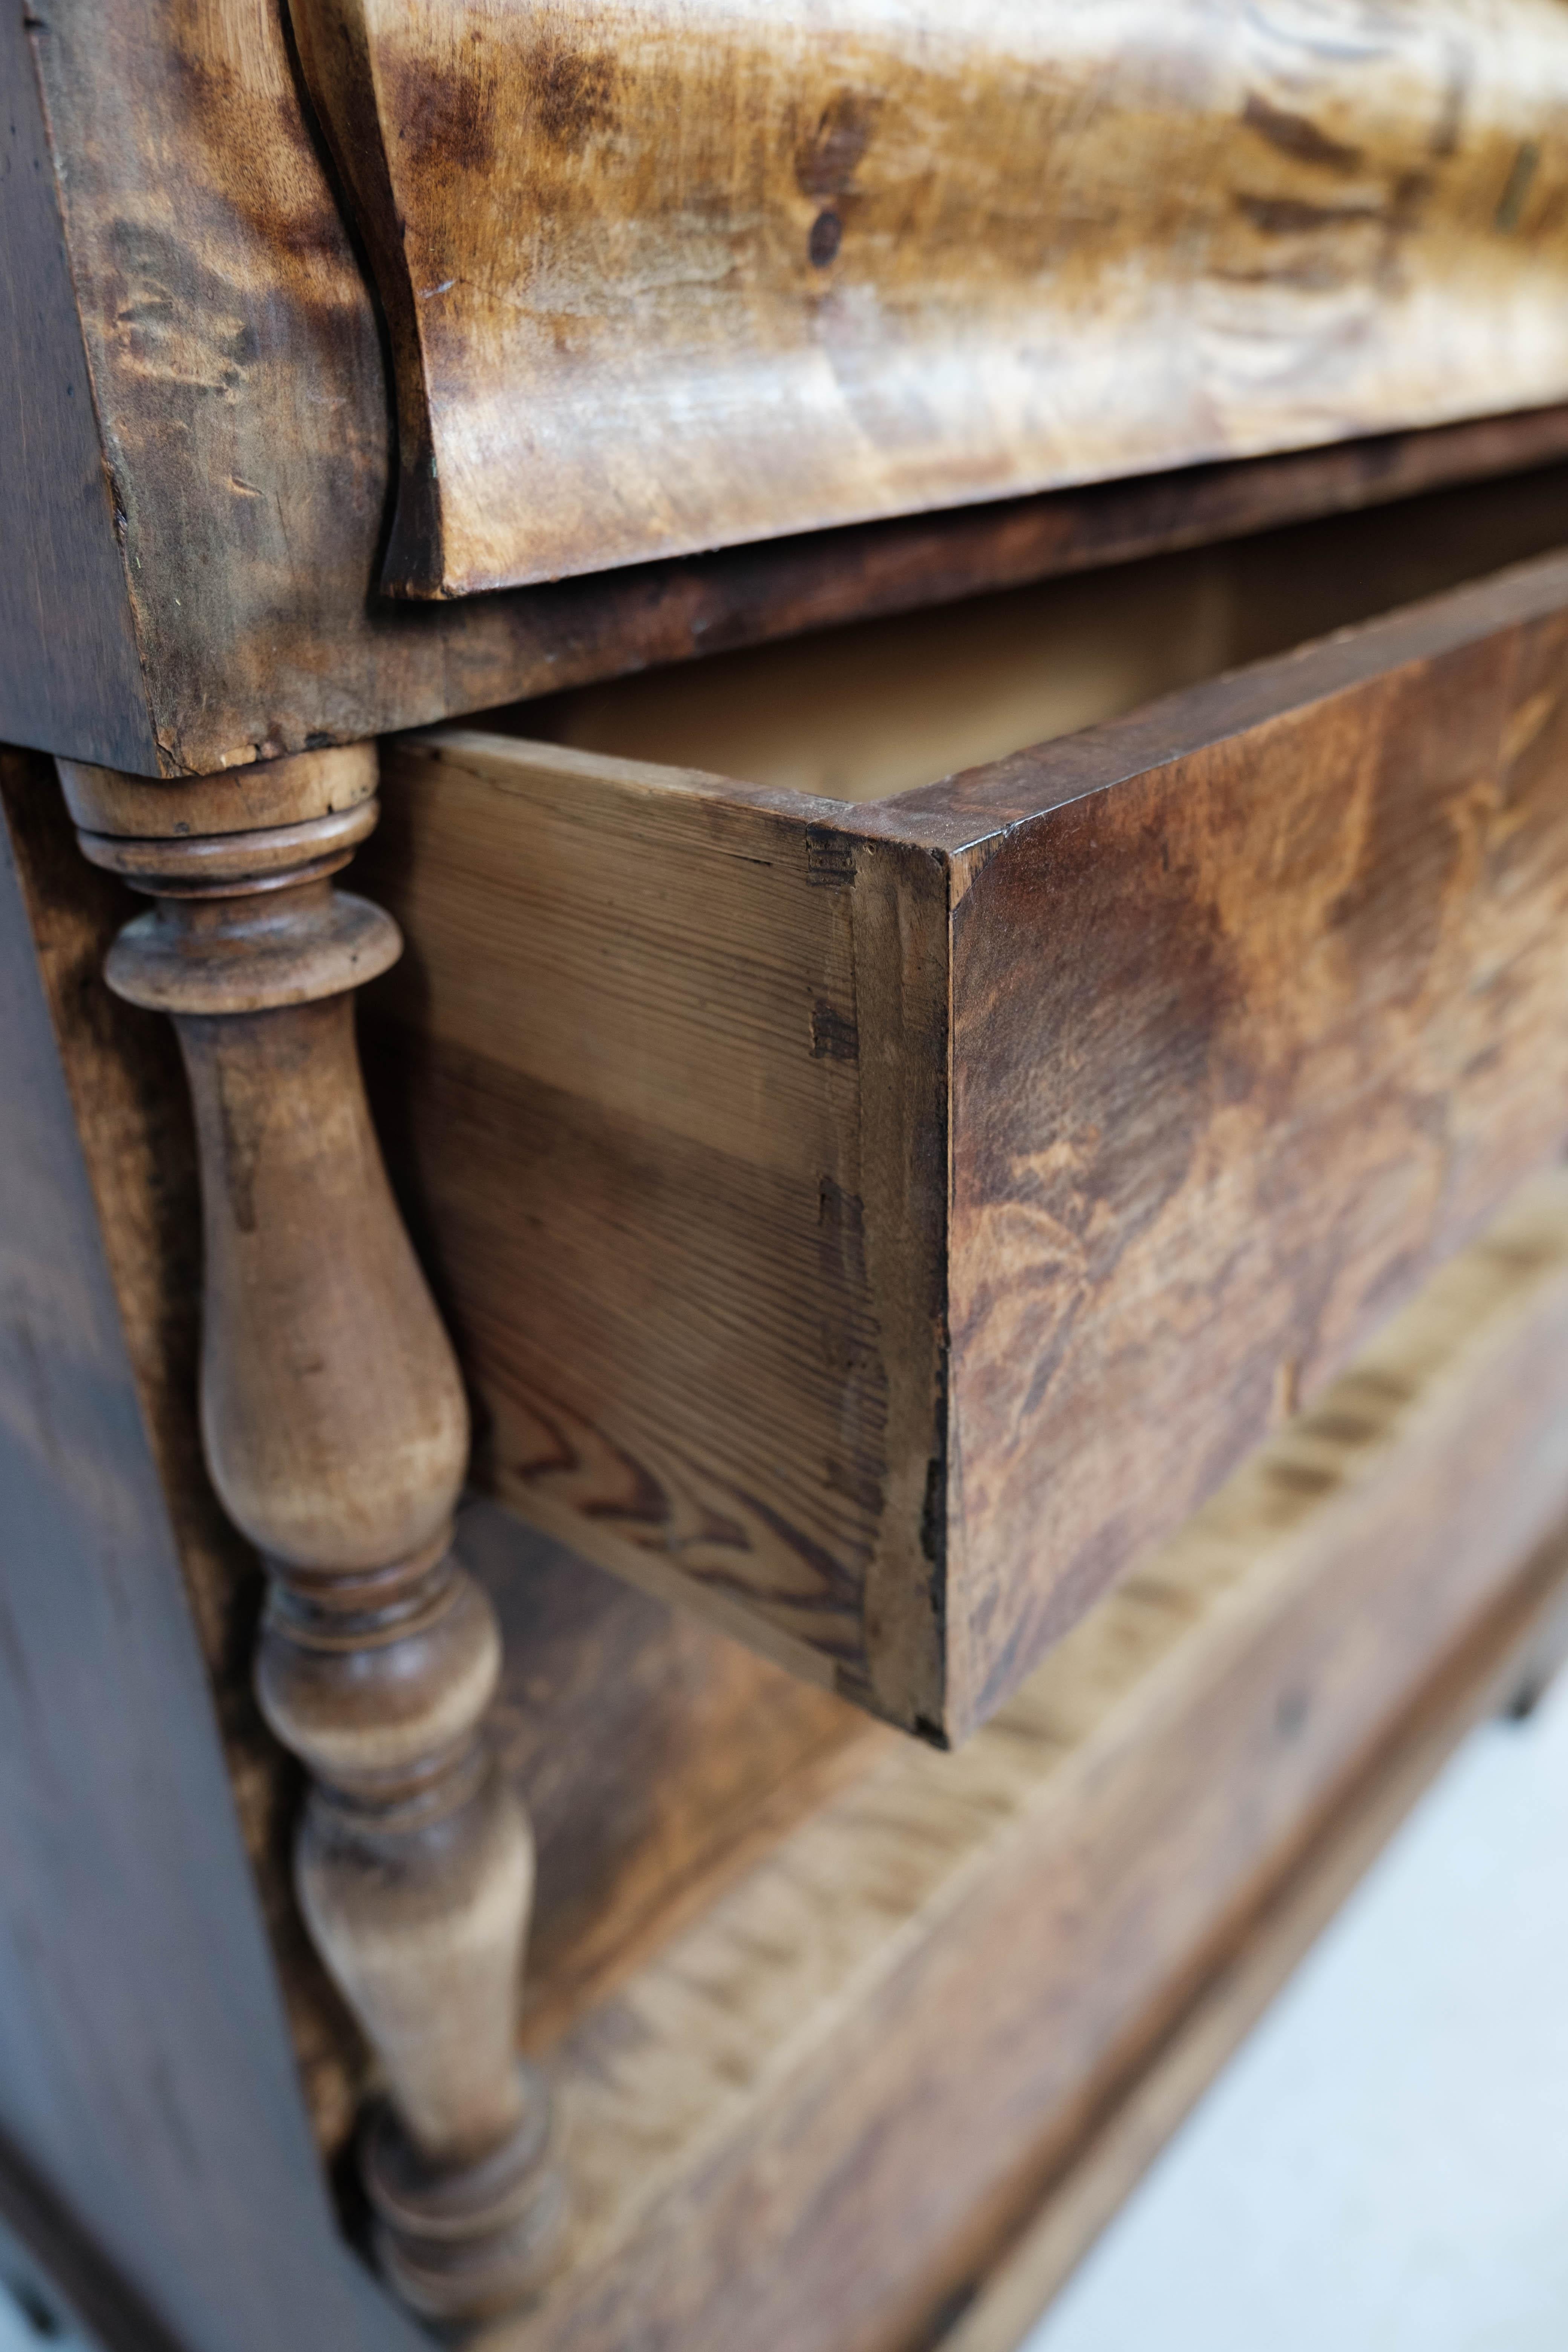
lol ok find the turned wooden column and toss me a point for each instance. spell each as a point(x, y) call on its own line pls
point(336, 1433)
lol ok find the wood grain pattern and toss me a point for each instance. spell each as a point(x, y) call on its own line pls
point(133, 1125)
point(644, 1028)
point(1233, 1016)
point(336, 1434)
point(1134, 2123)
point(236, 367)
point(656, 1759)
point(70, 669)
point(1303, 1030)
point(815, 2119)
point(895, 261)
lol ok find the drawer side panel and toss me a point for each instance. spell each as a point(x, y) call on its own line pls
point(680, 1174)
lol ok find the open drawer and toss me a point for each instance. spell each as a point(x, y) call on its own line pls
point(878, 1219)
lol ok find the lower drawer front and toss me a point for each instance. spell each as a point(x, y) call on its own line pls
point(881, 1222)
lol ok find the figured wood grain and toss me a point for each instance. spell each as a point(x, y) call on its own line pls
point(237, 370)
point(1244, 1039)
point(70, 667)
point(894, 261)
point(814, 2120)
point(880, 1222)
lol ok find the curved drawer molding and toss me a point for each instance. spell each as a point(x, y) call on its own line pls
point(665, 275)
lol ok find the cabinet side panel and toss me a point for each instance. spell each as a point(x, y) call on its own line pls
point(69, 677)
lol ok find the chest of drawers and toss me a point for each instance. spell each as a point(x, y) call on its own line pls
point(966, 626)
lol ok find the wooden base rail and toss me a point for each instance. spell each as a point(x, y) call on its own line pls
point(336, 1432)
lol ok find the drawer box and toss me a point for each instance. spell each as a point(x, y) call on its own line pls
point(879, 1221)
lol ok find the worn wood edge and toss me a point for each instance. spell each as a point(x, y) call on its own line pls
point(1119, 1681)
point(1135, 2126)
point(904, 1009)
point(503, 759)
point(876, 570)
point(965, 816)
point(972, 812)
point(68, 627)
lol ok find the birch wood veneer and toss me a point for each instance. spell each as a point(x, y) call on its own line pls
point(878, 1223)
point(196, 433)
point(336, 1434)
point(663, 275)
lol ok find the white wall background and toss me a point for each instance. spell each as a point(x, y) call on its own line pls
point(1383, 2168)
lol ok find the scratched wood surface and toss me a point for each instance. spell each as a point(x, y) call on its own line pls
point(937, 1195)
point(223, 593)
point(896, 258)
point(815, 2119)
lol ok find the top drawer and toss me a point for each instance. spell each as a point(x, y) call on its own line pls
point(1073, 241)
point(880, 1221)
point(670, 274)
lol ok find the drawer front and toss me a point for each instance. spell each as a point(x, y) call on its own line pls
point(1245, 1037)
point(882, 1223)
point(664, 276)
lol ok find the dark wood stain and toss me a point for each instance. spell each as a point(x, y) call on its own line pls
point(68, 664)
point(828, 152)
point(573, 94)
point(247, 443)
point(1244, 977)
point(1297, 135)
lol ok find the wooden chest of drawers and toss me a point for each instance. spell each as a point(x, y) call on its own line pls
point(967, 628)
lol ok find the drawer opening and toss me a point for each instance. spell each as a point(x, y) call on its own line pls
point(877, 1225)
point(875, 709)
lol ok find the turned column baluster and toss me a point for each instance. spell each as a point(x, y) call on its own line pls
point(336, 1433)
